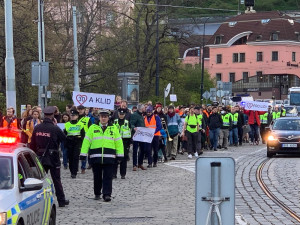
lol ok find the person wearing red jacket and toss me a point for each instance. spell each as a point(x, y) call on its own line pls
point(254, 122)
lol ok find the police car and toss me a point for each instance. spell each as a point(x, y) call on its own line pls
point(26, 193)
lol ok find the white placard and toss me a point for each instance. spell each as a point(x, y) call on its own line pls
point(93, 100)
point(143, 134)
point(256, 106)
point(173, 98)
point(61, 125)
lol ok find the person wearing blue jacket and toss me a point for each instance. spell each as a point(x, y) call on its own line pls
point(173, 122)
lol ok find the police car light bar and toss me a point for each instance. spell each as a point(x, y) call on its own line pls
point(9, 136)
point(8, 140)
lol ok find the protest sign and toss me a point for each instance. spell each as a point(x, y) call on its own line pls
point(144, 134)
point(61, 125)
point(256, 106)
point(93, 100)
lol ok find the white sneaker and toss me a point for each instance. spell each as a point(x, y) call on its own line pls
point(190, 156)
point(196, 154)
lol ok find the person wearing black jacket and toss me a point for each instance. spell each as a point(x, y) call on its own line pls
point(124, 107)
point(240, 124)
point(45, 141)
point(214, 124)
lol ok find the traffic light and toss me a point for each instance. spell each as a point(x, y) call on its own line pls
point(249, 3)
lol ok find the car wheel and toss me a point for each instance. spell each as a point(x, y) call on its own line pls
point(269, 154)
point(52, 219)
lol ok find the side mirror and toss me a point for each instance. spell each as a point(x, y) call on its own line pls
point(268, 129)
point(32, 184)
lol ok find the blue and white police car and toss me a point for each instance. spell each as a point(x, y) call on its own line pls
point(26, 192)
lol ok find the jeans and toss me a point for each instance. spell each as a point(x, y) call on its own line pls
point(65, 154)
point(233, 136)
point(153, 145)
point(214, 136)
point(254, 132)
point(136, 145)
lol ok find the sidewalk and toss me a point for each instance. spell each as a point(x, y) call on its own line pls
point(161, 195)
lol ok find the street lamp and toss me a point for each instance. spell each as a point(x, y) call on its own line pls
point(202, 65)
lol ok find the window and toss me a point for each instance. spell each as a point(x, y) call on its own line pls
point(6, 173)
point(293, 56)
point(245, 77)
point(235, 57)
point(218, 39)
point(232, 77)
point(260, 77)
point(259, 56)
point(258, 37)
point(219, 58)
point(218, 76)
point(242, 57)
point(274, 36)
point(33, 170)
point(275, 56)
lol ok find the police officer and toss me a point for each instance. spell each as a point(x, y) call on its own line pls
point(104, 145)
point(74, 130)
point(125, 132)
point(45, 141)
point(83, 118)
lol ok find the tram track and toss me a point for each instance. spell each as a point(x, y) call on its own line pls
point(269, 193)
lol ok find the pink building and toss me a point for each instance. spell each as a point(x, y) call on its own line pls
point(258, 52)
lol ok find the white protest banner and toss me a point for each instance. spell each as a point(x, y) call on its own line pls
point(173, 98)
point(144, 134)
point(93, 100)
point(256, 106)
point(61, 125)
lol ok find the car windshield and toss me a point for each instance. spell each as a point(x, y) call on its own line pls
point(6, 173)
point(292, 124)
point(290, 109)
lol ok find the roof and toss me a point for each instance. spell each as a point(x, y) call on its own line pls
point(259, 27)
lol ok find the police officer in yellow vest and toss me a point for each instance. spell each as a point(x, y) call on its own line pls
point(225, 128)
point(74, 130)
point(104, 145)
point(278, 113)
point(265, 120)
point(125, 132)
point(191, 130)
point(86, 124)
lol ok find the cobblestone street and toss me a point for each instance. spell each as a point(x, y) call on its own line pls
point(166, 194)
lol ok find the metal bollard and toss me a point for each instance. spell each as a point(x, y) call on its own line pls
point(215, 190)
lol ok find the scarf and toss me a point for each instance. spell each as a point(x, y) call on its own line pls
point(171, 114)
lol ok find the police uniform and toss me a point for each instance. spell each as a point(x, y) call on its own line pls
point(104, 145)
point(125, 132)
point(74, 130)
point(86, 120)
point(45, 141)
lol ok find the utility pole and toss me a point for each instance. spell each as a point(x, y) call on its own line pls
point(9, 59)
point(157, 51)
point(202, 64)
point(42, 95)
point(76, 76)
